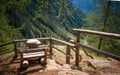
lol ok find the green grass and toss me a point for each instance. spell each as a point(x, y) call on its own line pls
point(4, 56)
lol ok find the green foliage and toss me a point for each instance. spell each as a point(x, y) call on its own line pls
point(21, 19)
point(113, 26)
point(50, 18)
point(8, 11)
point(96, 22)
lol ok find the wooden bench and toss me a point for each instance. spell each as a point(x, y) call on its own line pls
point(28, 53)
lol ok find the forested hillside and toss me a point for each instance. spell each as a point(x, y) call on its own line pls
point(106, 18)
point(38, 18)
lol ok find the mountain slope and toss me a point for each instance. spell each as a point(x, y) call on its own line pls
point(57, 20)
point(85, 5)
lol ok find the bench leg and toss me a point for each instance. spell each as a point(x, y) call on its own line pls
point(21, 63)
point(39, 60)
point(44, 62)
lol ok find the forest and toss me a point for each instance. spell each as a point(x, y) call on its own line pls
point(25, 19)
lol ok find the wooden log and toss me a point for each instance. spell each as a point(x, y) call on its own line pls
point(87, 53)
point(113, 35)
point(101, 52)
point(25, 63)
point(68, 53)
point(64, 42)
point(61, 51)
point(28, 53)
point(6, 43)
point(15, 49)
point(77, 59)
point(31, 50)
point(6, 52)
point(51, 42)
point(24, 40)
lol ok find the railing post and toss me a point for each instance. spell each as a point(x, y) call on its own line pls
point(51, 42)
point(15, 49)
point(77, 56)
point(68, 53)
point(77, 49)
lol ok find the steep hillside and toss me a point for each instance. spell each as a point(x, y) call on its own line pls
point(55, 18)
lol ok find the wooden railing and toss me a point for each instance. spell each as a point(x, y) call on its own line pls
point(5, 44)
point(75, 46)
point(68, 48)
point(79, 44)
point(50, 39)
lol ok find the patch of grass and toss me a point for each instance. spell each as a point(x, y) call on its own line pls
point(4, 56)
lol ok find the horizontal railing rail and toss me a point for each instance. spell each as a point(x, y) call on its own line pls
point(2, 53)
point(61, 51)
point(8, 43)
point(105, 34)
point(113, 35)
point(50, 39)
point(64, 42)
point(100, 51)
point(24, 40)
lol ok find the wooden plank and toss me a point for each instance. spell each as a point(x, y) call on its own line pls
point(15, 49)
point(6, 43)
point(6, 52)
point(98, 33)
point(61, 51)
point(24, 40)
point(64, 42)
point(33, 55)
point(68, 53)
point(101, 52)
point(51, 42)
point(87, 53)
point(77, 60)
point(30, 50)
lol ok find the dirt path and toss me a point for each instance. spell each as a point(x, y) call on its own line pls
point(7, 67)
point(103, 67)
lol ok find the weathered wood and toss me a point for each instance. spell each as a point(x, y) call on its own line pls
point(75, 51)
point(77, 59)
point(51, 42)
point(61, 51)
point(30, 50)
point(68, 53)
point(24, 40)
point(33, 55)
point(101, 52)
point(87, 53)
point(6, 43)
point(64, 42)
point(25, 63)
point(26, 54)
point(15, 49)
point(98, 33)
point(6, 52)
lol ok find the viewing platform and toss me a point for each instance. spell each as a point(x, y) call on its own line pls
point(63, 58)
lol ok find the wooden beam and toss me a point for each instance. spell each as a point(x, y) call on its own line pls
point(101, 52)
point(64, 42)
point(24, 40)
point(87, 53)
point(113, 35)
point(15, 49)
point(61, 51)
point(77, 59)
point(6, 43)
point(68, 53)
point(6, 52)
point(51, 53)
